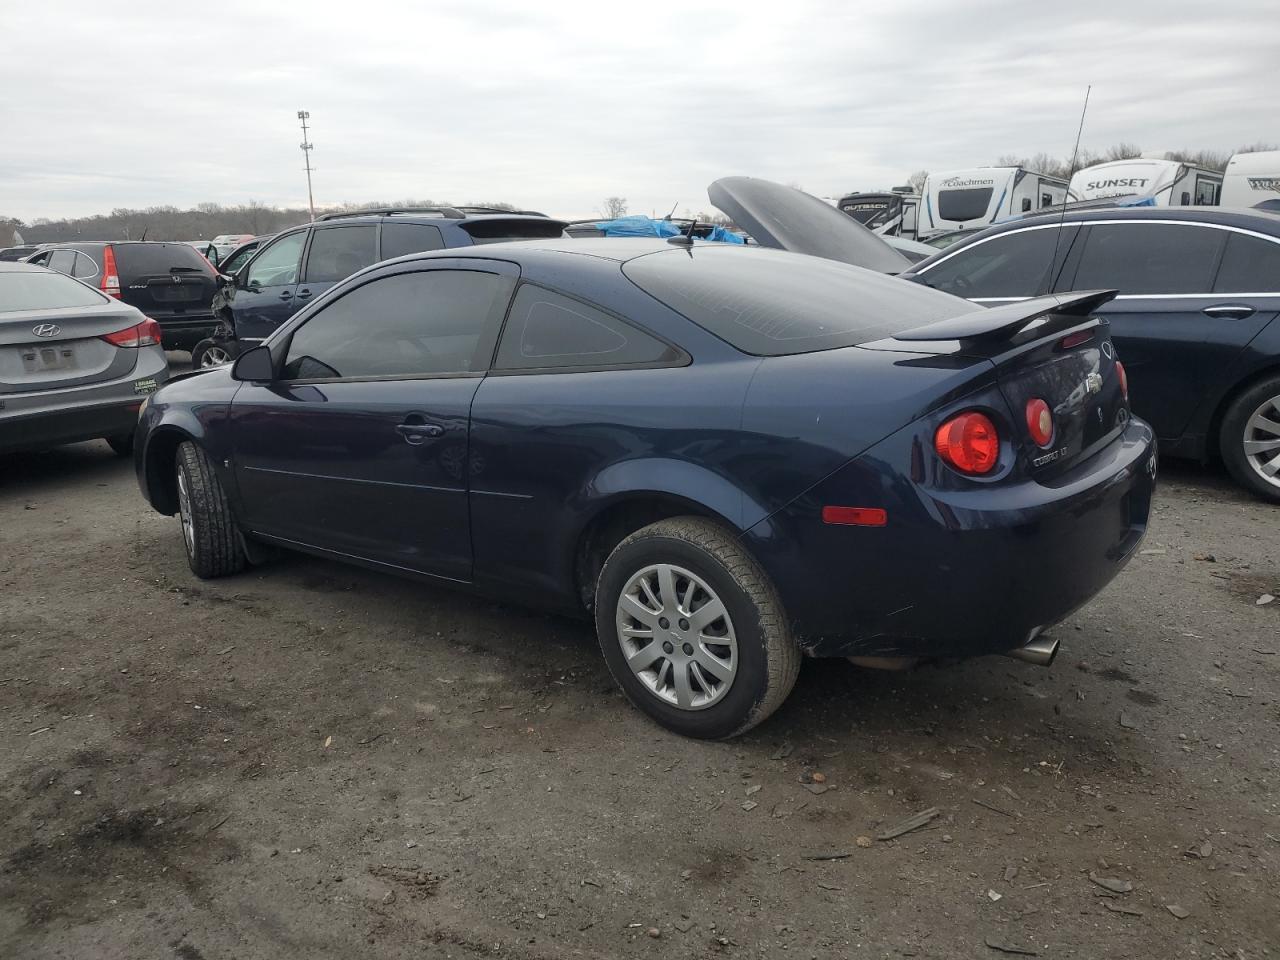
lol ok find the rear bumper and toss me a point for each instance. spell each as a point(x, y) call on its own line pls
point(184, 332)
point(955, 573)
point(48, 418)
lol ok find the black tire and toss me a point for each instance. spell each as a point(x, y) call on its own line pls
point(212, 543)
point(768, 659)
point(121, 445)
point(201, 353)
point(1236, 430)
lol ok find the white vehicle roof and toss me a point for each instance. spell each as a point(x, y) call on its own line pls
point(1124, 178)
point(1251, 178)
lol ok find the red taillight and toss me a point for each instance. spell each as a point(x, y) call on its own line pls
point(855, 516)
point(110, 279)
point(1039, 421)
point(1084, 336)
point(142, 335)
point(1124, 380)
point(969, 442)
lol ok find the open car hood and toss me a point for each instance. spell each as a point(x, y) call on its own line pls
point(789, 219)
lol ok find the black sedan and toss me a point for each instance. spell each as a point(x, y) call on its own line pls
point(1196, 321)
point(730, 457)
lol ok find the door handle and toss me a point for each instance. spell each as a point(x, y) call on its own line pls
point(303, 294)
point(286, 295)
point(1229, 311)
point(416, 430)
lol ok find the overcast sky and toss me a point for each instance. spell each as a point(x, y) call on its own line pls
point(556, 105)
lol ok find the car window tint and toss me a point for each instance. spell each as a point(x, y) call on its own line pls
point(236, 261)
point(1249, 265)
point(773, 303)
point(278, 264)
point(157, 259)
point(338, 252)
point(399, 239)
point(547, 329)
point(1015, 264)
point(63, 261)
point(86, 267)
point(1137, 258)
point(961, 205)
point(409, 324)
point(38, 290)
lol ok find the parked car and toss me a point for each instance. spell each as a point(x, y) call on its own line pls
point(170, 282)
point(75, 364)
point(298, 265)
point(943, 240)
point(1195, 322)
point(728, 456)
point(13, 254)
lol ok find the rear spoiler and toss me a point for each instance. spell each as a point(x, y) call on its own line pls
point(1006, 321)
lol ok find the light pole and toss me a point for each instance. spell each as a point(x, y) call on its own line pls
point(307, 147)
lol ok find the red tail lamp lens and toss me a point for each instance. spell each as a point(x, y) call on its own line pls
point(1124, 380)
point(143, 335)
point(1040, 421)
point(969, 442)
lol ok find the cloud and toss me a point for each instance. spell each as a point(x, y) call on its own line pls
point(554, 106)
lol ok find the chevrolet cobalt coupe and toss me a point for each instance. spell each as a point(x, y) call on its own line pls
point(730, 457)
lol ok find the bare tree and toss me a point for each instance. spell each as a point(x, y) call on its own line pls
point(1122, 151)
point(917, 179)
point(614, 207)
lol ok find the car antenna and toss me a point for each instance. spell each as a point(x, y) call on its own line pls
point(144, 233)
point(684, 239)
point(1071, 172)
point(673, 211)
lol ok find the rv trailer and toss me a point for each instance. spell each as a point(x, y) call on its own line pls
point(892, 214)
point(962, 199)
point(1169, 183)
point(1252, 179)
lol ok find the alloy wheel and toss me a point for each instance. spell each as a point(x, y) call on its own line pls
point(1262, 441)
point(215, 357)
point(184, 514)
point(677, 637)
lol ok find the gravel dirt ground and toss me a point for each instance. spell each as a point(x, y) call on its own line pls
point(309, 760)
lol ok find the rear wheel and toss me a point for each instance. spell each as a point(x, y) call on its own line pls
point(692, 629)
point(208, 530)
point(1250, 438)
point(122, 445)
point(210, 353)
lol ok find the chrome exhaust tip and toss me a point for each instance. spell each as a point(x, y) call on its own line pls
point(1039, 650)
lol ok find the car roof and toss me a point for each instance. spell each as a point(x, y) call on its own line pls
point(20, 266)
point(1230, 216)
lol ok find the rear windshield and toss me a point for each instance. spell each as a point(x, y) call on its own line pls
point(150, 259)
point(37, 290)
point(497, 230)
point(771, 303)
point(961, 205)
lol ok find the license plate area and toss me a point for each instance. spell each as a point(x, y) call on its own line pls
point(48, 359)
point(175, 292)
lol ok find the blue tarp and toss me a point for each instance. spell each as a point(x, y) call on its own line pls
point(639, 226)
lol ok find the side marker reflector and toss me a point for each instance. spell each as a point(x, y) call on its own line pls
point(855, 516)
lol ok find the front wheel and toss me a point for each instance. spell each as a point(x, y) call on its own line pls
point(1250, 439)
point(210, 353)
point(692, 629)
point(208, 530)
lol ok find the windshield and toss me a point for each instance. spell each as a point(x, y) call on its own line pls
point(37, 290)
point(961, 205)
point(771, 303)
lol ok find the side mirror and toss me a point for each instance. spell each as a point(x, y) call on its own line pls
point(255, 365)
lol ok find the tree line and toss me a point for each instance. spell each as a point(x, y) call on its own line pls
point(204, 221)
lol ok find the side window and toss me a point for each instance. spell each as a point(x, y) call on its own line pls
point(338, 252)
point(1249, 265)
point(1151, 258)
point(1026, 204)
point(278, 264)
point(40, 259)
point(1206, 192)
point(405, 325)
point(401, 238)
point(237, 261)
point(546, 329)
point(86, 267)
point(63, 261)
point(1013, 265)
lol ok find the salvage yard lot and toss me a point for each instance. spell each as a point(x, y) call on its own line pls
point(313, 760)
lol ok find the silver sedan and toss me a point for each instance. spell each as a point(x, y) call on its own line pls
point(75, 364)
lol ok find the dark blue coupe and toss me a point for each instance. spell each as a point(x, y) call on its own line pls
point(730, 457)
